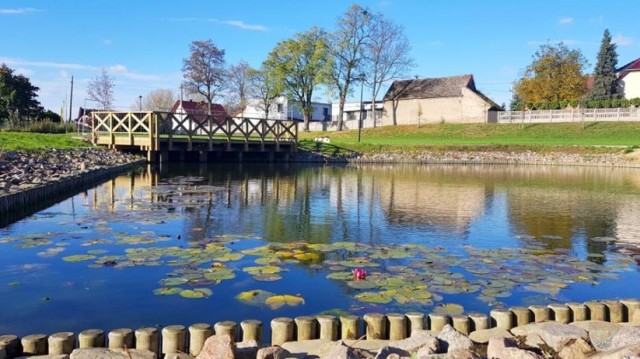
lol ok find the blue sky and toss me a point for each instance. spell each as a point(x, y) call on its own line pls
point(142, 43)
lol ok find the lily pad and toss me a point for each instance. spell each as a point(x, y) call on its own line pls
point(362, 284)
point(449, 309)
point(340, 276)
point(254, 297)
point(167, 291)
point(173, 281)
point(374, 297)
point(262, 270)
point(196, 293)
point(78, 258)
point(267, 277)
point(277, 301)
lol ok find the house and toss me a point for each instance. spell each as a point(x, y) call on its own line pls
point(437, 100)
point(629, 79)
point(351, 113)
point(285, 109)
point(198, 115)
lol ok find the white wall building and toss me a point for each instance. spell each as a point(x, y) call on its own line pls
point(285, 109)
point(629, 79)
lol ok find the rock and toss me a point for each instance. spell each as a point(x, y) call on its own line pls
point(451, 340)
point(342, 351)
point(389, 352)
point(497, 346)
point(516, 353)
point(51, 356)
point(3, 353)
point(420, 339)
point(274, 352)
point(247, 350)
point(554, 334)
point(600, 333)
point(627, 352)
point(483, 336)
point(105, 353)
point(461, 354)
point(218, 347)
point(575, 349)
point(625, 336)
point(178, 356)
point(393, 356)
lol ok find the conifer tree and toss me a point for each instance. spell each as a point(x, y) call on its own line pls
point(604, 75)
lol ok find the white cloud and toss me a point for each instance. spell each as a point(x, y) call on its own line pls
point(20, 11)
point(57, 65)
point(242, 25)
point(117, 69)
point(622, 40)
point(24, 71)
point(107, 42)
point(566, 21)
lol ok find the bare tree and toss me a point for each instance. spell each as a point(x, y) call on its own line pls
point(264, 88)
point(100, 90)
point(347, 48)
point(159, 100)
point(204, 70)
point(387, 56)
point(238, 83)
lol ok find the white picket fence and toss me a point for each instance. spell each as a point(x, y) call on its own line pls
point(570, 115)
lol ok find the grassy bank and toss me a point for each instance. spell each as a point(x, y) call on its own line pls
point(593, 137)
point(11, 141)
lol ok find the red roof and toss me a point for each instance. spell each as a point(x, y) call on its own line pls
point(632, 66)
point(198, 110)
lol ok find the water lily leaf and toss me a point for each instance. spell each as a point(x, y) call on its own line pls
point(308, 257)
point(97, 251)
point(262, 270)
point(267, 261)
point(267, 277)
point(374, 297)
point(340, 276)
point(219, 274)
point(50, 252)
point(78, 258)
point(277, 301)
point(362, 284)
point(167, 291)
point(169, 282)
point(206, 291)
point(449, 309)
point(195, 293)
point(254, 297)
point(228, 257)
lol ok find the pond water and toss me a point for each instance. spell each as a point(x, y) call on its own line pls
point(190, 244)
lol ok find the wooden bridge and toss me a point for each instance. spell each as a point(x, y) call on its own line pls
point(163, 133)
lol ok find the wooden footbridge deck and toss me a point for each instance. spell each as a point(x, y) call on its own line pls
point(162, 133)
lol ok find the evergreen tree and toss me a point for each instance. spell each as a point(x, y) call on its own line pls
point(604, 75)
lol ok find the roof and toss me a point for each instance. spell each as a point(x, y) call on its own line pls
point(438, 87)
point(632, 66)
point(429, 87)
point(198, 110)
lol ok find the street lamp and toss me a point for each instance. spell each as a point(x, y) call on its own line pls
point(360, 78)
point(140, 103)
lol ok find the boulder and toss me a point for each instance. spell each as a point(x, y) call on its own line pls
point(627, 352)
point(497, 346)
point(451, 340)
point(342, 351)
point(553, 334)
point(600, 332)
point(484, 335)
point(218, 347)
point(3, 353)
point(575, 349)
point(625, 336)
point(516, 353)
point(178, 356)
point(273, 352)
point(389, 352)
point(420, 339)
point(50, 356)
point(106, 353)
point(247, 350)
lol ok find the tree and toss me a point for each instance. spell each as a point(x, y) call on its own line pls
point(100, 90)
point(556, 74)
point(387, 56)
point(204, 70)
point(300, 64)
point(347, 49)
point(604, 75)
point(158, 100)
point(263, 87)
point(18, 97)
point(238, 82)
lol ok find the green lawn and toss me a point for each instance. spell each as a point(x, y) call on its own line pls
point(28, 141)
point(572, 137)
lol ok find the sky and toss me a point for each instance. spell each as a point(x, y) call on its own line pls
point(142, 43)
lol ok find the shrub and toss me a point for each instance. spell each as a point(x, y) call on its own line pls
point(44, 126)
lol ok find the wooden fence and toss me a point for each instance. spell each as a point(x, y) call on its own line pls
point(570, 115)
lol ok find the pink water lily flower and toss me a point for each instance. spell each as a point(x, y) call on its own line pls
point(359, 273)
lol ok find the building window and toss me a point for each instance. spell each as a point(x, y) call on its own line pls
point(351, 116)
point(280, 108)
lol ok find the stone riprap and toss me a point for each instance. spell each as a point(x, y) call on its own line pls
point(20, 170)
point(481, 157)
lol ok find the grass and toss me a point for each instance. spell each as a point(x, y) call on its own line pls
point(591, 137)
point(12, 141)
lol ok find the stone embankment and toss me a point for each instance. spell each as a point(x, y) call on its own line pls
point(481, 157)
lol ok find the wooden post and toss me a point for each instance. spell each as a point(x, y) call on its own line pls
point(147, 339)
point(597, 310)
point(34, 344)
point(578, 311)
point(120, 338)
point(461, 323)
point(479, 321)
point(523, 316)
point(173, 339)
point(226, 327)
point(376, 325)
point(11, 344)
point(251, 330)
point(615, 309)
point(198, 334)
point(61, 343)
point(631, 307)
point(502, 318)
point(328, 327)
point(91, 338)
point(416, 322)
point(438, 321)
point(561, 313)
point(282, 330)
point(350, 327)
point(541, 313)
point(397, 326)
point(305, 328)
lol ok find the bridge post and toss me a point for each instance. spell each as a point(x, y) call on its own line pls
point(203, 156)
point(240, 156)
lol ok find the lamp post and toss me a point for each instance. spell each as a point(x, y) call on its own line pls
point(140, 103)
point(361, 79)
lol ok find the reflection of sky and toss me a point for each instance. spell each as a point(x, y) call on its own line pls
point(449, 207)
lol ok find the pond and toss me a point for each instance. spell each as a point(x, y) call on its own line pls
point(190, 244)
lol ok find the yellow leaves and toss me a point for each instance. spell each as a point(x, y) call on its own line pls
point(277, 301)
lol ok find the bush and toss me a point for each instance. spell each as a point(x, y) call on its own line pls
point(44, 126)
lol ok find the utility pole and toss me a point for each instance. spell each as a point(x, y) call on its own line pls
point(71, 100)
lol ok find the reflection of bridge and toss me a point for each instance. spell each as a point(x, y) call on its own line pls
point(161, 133)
